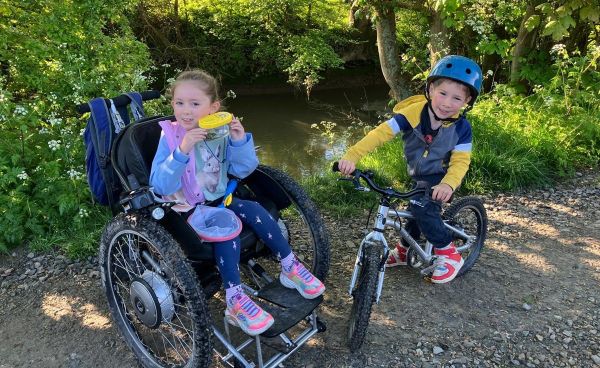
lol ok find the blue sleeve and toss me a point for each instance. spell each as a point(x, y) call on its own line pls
point(167, 169)
point(242, 157)
point(465, 136)
point(398, 123)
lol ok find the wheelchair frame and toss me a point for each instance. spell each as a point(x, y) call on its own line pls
point(138, 205)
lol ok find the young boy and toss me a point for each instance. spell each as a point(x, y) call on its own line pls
point(437, 147)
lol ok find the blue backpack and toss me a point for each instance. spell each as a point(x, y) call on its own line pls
point(105, 122)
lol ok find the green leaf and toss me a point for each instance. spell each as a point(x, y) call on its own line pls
point(567, 22)
point(590, 13)
point(532, 22)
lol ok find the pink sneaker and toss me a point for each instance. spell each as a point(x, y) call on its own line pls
point(248, 316)
point(301, 279)
point(397, 256)
point(448, 263)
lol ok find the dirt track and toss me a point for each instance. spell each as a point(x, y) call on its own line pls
point(533, 299)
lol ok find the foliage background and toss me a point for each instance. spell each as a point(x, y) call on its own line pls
point(538, 120)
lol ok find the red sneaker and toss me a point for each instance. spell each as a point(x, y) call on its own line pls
point(397, 256)
point(448, 263)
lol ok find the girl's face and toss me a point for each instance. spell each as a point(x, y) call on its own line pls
point(190, 104)
point(447, 98)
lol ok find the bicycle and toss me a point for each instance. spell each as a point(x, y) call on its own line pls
point(465, 217)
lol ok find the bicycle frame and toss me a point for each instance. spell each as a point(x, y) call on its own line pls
point(386, 218)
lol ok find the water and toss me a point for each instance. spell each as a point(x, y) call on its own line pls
point(281, 125)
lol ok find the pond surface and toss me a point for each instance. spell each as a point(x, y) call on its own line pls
point(283, 125)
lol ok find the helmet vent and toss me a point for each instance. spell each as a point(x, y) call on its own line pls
point(468, 71)
point(449, 65)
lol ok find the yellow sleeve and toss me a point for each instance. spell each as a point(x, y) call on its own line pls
point(457, 169)
point(375, 138)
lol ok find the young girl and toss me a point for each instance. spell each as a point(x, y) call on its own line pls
point(191, 169)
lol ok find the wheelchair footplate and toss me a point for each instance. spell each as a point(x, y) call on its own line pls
point(295, 323)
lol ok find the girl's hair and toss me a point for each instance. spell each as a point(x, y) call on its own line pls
point(202, 79)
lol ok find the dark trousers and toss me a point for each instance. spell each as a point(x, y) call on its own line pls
point(227, 253)
point(428, 221)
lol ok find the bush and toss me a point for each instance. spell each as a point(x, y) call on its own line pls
point(48, 68)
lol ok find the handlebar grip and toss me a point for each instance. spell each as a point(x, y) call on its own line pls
point(336, 168)
point(119, 101)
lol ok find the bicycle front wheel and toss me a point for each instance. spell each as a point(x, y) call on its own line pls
point(364, 295)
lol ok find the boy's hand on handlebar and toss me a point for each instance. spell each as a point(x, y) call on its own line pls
point(442, 192)
point(346, 167)
point(192, 137)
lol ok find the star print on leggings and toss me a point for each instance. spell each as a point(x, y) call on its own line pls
point(234, 245)
point(258, 221)
point(242, 215)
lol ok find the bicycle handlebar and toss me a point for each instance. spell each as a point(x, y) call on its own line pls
point(119, 101)
point(367, 176)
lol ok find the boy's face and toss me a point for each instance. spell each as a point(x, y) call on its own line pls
point(190, 104)
point(447, 98)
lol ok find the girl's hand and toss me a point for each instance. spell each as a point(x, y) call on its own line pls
point(442, 192)
point(236, 130)
point(346, 167)
point(190, 138)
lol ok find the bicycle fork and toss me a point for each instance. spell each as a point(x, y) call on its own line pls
point(375, 239)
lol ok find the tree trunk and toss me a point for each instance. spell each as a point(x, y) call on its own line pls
point(387, 47)
point(438, 39)
point(523, 44)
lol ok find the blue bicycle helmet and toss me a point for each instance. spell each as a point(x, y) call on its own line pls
point(460, 69)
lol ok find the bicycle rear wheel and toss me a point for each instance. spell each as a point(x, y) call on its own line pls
point(364, 295)
point(469, 215)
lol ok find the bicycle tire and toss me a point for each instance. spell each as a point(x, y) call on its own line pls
point(364, 296)
point(478, 223)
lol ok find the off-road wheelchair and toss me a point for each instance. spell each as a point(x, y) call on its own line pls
point(161, 280)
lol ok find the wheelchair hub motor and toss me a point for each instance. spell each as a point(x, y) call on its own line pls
point(151, 299)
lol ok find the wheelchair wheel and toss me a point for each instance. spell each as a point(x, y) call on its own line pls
point(364, 295)
point(469, 215)
point(153, 294)
point(302, 224)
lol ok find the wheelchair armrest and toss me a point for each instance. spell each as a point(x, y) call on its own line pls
point(142, 197)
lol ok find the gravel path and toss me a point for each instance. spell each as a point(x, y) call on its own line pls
point(532, 299)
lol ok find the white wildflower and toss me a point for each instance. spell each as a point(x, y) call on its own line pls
point(54, 144)
point(43, 130)
point(23, 175)
point(230, 94)
point(55, 121)
point(20, 110)
point(83, 213)
point(74, 174)
point(490, 72)
point(559, 47)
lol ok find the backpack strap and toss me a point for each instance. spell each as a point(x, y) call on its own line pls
point(137, 108)
point(117, 118)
